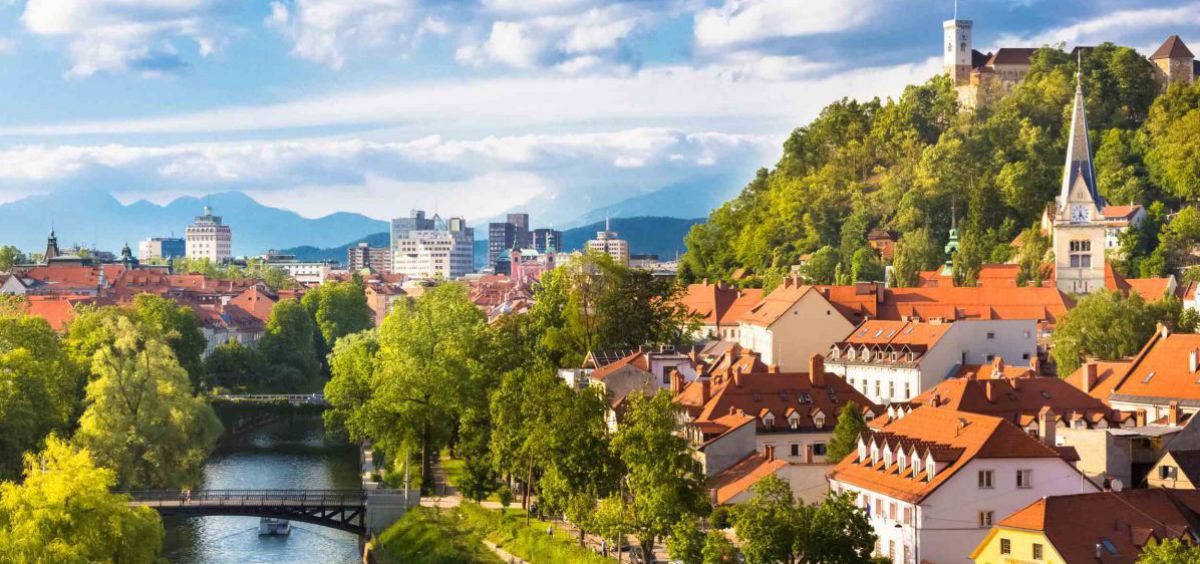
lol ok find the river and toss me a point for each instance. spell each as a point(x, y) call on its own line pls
point(279, 455)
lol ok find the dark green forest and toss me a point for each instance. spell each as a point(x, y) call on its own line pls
point(909, 166)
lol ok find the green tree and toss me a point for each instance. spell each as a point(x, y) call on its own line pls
point(822, 267)
point(233, 366)
point(1106, 325)
point(916, 251)
point(839, 532)
point(1169, 551)
point(288, 345)
point(850, 425)
point(141, 418)
point(865, 266)
point(40, 388)
point(686, 543)
point(663, 483)
point(9, 256)
point(718, 549)
point(63, 512)
point(339, 308)
point(771, 525)
point(177, 326)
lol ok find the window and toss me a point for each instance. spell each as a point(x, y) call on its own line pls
point(1025, 356)
point(985, 479)
point(1024, 478)
point(985, 519)
point(818, 449)
point(892, 550)
point(907, 516)
point(1164, 471)
point(991, 334)
point(1005, 546)
point(892, 511)
point(907, 554)
point(879, 508)
point(1037, 551)
point(795, 449)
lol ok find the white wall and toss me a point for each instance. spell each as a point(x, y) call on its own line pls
point(810, 326)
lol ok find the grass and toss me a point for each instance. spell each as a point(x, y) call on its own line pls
point(425, 536)
point(529, 542)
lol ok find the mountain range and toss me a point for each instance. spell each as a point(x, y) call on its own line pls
point(662, 236)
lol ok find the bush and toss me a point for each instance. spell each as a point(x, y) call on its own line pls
point(720, 518)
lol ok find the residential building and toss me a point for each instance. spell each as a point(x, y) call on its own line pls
point(1161, 379)
point(610, 243)
point(645, 370)
point(446, 251)
point(545, 240)
point(162, 248)
point(1105, 527)
point(365, 257)
point(302, 271)
point(719, 308)
point(935, 481)
point(894, 361)
point(1176, 469)
point(382, 297)
point(208, 238)
point(791, 324)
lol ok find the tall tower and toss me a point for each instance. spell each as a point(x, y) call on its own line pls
point(956, 57)
point(1078, 225)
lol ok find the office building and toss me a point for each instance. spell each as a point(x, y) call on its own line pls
point(364, 256)
point(545, 240)
point(162, 248)
point(445, 251)
point(208, 238)
point(610, 243)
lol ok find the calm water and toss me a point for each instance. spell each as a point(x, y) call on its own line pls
point(282, 455)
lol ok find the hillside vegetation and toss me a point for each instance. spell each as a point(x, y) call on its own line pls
point(912, 165)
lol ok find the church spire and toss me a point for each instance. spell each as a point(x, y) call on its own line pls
point(1078, 166)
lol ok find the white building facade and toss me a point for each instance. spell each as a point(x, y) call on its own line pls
point(208, 238)
point(438, 253)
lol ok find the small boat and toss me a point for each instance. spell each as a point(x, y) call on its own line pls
point(274, 527)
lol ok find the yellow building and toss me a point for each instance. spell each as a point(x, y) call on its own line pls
point(1177, 469)
point(1105, 527)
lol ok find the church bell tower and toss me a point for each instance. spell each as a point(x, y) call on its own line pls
point(956, 53)
point(1078, 229)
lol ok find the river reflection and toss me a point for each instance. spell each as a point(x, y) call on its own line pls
point(281, 455)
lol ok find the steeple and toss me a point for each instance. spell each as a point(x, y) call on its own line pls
point(51, 247)
point(1079, 155)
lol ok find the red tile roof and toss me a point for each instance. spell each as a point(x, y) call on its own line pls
point(952, 437)
point(719, 304)
point(57, 310)
point(1019, 400)
point(740, 477)
point(1161, 371)
point(257, 302)
point(637, 360)
point(1042, 304)
point(1127, 520)
point(1108, 373)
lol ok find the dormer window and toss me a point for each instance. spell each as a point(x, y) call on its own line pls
point(901, 461)
point(862, 449)
point(887, 457)
point(819, 419)
point(768, 420)
point(794, 420)
point(916, 466)
point(874, 453)
point(930, 467)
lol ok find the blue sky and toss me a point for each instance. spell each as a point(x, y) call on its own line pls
point(473, 106)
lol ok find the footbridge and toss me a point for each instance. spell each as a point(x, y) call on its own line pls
point(292, 399)
point(356, 511)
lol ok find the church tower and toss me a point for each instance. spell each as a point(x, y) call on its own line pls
point(1078, 230)
point(956, 56)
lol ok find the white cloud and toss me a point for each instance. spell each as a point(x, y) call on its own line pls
point(565, 40)
point(122, 35)
point(1117, 26)
point(680, 97)
point(491, 173)
point(750, 21)
point(323, 31)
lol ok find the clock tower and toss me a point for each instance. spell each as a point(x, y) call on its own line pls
point(1078, 229)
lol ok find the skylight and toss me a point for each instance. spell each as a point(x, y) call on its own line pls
point(879, 332)
point(1146, 380)
point(1108, 545)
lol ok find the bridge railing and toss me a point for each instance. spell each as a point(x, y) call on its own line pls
point(163, 498)
point(315, 399)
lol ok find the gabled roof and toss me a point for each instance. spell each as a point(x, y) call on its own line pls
point(1108, 373)
point(897, 333)
point(256, 301)
point(1188, 462)
point(1012, 56)
point(742, 476)
point(954, 303)
point(718, 304)
point(767, 311)
point(954, 438)
point(1172, 48)
point(1120, 212)
point(636, 360)
point(1161, 371)
point(1019, 400)
point(1122, 523)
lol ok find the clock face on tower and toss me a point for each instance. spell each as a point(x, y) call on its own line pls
point(1080, 214)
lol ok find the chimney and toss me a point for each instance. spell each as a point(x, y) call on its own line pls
point(769, 452)
point(1162, 330)
point(987, 391)
point(1035, 366)
point(1046, 425)
point(705, 390)
point(773, 369)
point(1192, 360)
point(1139, 417)
point(997, 367)
point(1089, 376)
point(676, 382)
point(737, 377)
point(937, 398)
point(816, 370)
point(1173, 413)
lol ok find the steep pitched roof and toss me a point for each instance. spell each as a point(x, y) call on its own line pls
point(897, 333)
point(1078, 168)
point(1172, 48)
point(718, 304)
point(1011, 56)
point(775, 304)
point(1188, 462)
point(1122, 523)
point(1108, 373)
point(1161, 371)
point(954, 438)
point(742, 476)
point(257, 302)
point(637, 360)
point(1019, 400)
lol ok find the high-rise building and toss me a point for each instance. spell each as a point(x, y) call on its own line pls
point(444, 251)
point(402, 226)
point(610, 243)
point(162, 248)
point(520, 222)
point(545, 240)
point(364, 256)
point(501, 237)
point(208, 238)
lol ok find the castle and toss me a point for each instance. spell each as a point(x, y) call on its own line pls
point(979, 77)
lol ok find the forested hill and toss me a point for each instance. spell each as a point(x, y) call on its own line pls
point(909, 165)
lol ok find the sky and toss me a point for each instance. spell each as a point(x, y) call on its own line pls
point(470, 107)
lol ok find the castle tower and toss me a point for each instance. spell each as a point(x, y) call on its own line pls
point(956, 58)
point(1173, 62)
point(1078, 230)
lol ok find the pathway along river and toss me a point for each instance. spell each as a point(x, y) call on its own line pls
point(279, 455)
